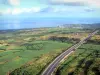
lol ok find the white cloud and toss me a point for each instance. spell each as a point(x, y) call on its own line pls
point(33, 9)
point(7, 11)
point(57, 9)
point(62, 9)
point(10, 11)
point(14, 2)
point(17, 11)
point(36, 9)
point(94, 3)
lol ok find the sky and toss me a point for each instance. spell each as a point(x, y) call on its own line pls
point(69, 9)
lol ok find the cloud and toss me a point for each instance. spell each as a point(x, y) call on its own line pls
point(46, 10)
point(62, 9)
point(67, 10)
point(10, 11)
point(17, 11)
point(66, 2)
point(55, 10)
point(36, 9)
point(94, 3)
point(14, 2)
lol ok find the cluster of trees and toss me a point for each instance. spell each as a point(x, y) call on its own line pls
point(64, 39)
point(94, 41)
point(34, 46)
point(90, 66)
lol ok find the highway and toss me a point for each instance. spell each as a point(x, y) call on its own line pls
point(50, 69)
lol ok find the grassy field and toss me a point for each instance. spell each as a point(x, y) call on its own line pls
point(12, 59)
point(29, 51)
point(84, 61)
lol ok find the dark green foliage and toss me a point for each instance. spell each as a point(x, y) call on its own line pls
point(64, 39)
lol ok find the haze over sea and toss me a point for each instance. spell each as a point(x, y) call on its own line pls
point(18, 23)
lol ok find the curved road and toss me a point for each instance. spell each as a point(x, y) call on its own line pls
point(50, 69)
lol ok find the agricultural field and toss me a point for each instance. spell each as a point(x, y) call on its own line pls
point(21, 47)
point(29, 51)
point(12, 59)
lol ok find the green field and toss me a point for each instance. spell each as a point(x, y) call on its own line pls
point(84, 61)
point(12, 59)
point(29, 51)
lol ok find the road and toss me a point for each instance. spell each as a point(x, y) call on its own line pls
point(50, 69)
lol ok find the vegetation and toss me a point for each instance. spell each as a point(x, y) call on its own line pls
point(21, 47)
point(84, 61)
point(17, 57)
point(29, 51)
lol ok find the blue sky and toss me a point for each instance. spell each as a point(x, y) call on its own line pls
point(81, 9)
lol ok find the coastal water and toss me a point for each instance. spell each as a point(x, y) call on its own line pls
point(18, 23)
